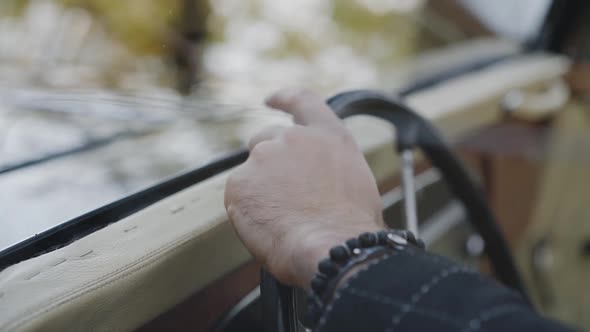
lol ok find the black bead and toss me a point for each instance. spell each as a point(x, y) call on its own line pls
point(312, 298)
point(382, 237)
point(410, 236)
point(313, 312)
point(318, 284)
point(367, 240)
point(420, 244)
point(352, 243)
point(339, 254)
point(403, 234)
point(328, 268)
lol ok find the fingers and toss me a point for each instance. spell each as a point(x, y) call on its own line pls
point(307, 108)
point(265, 134)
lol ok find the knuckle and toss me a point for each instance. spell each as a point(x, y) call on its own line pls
point(304, 94)
point(345, 137)
point(293, 135)
point(235, 183)
point(342, 136)
point(230, 191)
point(231, 211)
point(230, 184)
point(333, 138)
point(252, 142)
point(262, 151)
point(298, 98)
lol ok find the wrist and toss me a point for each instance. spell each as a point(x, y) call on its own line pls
point(346, 260)
point(346, 276)
point(315, 247)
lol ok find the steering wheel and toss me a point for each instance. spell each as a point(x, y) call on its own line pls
point(282, 305)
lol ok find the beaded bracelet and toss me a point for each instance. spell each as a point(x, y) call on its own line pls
point(343, 258)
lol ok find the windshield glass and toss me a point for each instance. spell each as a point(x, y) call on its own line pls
point(99, 99)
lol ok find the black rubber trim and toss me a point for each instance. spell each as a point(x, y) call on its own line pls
point(91, 145)
point(562, 19)
point(452, 73)
point(85, 224)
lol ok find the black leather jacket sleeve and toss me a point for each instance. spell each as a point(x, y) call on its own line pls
point(412, 290)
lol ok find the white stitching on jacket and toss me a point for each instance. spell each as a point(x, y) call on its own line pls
point(497, 311)
point(390, 301)
point(424, 289)
point(346, 285)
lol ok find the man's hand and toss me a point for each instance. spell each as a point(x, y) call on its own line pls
point(303, 190)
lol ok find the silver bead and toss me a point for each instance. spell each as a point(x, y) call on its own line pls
point(396, 239)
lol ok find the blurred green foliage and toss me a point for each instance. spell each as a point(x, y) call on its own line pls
point(12, 7)
point(142, 25)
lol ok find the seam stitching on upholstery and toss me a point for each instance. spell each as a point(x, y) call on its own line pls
point(87, 253)
point(130, 229)
point(63, 260)
point(61, 299)
point(31, 276)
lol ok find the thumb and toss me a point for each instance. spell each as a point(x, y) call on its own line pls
point(307, 108)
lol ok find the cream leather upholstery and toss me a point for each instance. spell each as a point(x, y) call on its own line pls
point(129, 272)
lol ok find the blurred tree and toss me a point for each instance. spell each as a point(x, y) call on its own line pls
point(173, 29)
point(12, 7)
